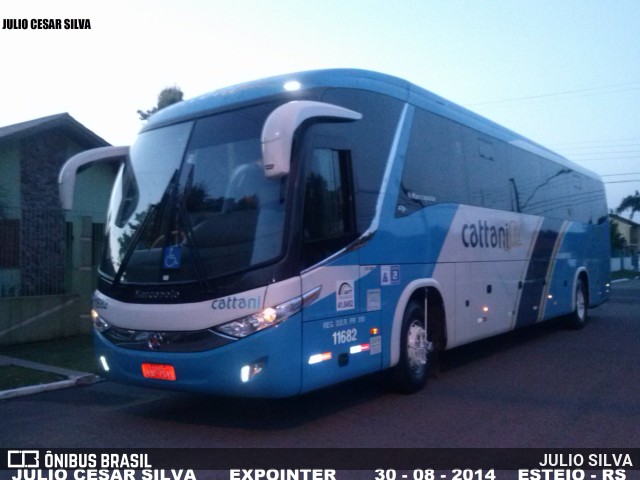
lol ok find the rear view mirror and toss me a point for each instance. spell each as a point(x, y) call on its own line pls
point(281, 125)
point(69, 171)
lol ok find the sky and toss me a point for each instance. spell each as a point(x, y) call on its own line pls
point(564, 73)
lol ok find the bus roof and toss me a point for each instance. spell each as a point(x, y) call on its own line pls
point(349, 78)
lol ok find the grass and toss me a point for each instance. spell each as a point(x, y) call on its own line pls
point(622, 274)
point(15, 377)
point(73, 353)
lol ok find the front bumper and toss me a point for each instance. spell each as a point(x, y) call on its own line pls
point(220, 370)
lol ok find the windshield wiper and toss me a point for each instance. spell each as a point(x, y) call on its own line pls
point(183, 219)
point(132, 245)
point(151, 214)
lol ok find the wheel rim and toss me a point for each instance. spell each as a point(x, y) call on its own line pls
point(581, 307)
point(417, 346)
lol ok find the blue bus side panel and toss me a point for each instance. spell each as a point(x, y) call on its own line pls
point(341, 331)
point(340, 348)
point(583, 246)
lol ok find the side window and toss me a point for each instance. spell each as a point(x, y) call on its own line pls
point(329, 216)
point(527, 182)
point(434, 169)
point(542, 187)
point(489, 184)
point(558, 190)
point(486, 149)
point(369, 141)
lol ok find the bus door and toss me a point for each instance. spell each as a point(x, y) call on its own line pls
point(341, 328)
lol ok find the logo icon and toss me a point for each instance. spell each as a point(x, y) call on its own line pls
point(345, 295)
point(23, 459)
point(155, 341)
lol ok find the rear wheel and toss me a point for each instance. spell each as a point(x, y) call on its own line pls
point(578, 318)
point(410, 375)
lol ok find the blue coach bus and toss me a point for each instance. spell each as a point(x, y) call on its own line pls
point(282, 235)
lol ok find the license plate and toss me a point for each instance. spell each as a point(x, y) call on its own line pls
point(158, 371)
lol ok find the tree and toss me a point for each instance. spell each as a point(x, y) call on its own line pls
point(617, 240)
point(630, 202)
point(168, 96)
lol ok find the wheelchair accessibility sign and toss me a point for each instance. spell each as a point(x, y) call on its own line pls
point(389, 275)
point(171, 257)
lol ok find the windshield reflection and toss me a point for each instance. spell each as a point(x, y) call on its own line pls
point(189, 211)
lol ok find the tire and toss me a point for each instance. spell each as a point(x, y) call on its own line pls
point(412, 371)
point(578, 318)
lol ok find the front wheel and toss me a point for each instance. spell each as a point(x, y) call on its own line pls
point(578, 318)
point(410, 375)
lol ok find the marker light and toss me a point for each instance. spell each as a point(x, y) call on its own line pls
point(359, 348)
point(319, 357)
point(104, 363)
point(292, 86)
point(248, 372)
point(485, 309)
point(374, 331)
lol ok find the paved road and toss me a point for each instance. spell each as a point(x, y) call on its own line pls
point(540, 387)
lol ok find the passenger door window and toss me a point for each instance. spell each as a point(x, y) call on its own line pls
point(329, 216)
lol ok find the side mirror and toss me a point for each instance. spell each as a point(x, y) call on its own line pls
point(69, 171)
point(281, 125)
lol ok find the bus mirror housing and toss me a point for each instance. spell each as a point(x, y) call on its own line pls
point(69, 171)
point(281, 125)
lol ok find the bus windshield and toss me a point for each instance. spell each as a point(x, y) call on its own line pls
point(192, 203)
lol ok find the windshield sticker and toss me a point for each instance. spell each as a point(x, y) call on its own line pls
point(171, 258)
point(345, 296)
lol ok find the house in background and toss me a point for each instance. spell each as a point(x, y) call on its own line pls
point(627, 258)
point(45, 252)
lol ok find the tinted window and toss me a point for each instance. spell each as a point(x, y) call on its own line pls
point(543, 187)
point(448, 162)
point(329, 223)
point(369, 141)
point(434, 169)
point(527, 181)
point(487, 169)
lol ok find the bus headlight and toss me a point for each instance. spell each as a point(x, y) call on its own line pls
point(268, 317)
point(99, 323)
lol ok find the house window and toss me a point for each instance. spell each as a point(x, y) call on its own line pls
point(97, 240)
point(9, 243)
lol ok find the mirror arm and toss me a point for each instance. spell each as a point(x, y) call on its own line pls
point(69, 171)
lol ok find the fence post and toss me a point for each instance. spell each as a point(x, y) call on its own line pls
point(82, 271)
